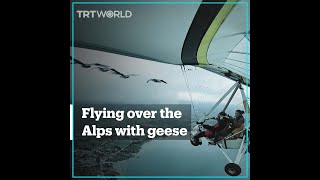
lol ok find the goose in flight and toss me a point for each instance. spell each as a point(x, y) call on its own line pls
point(157, 81)
point(101, 65)
point(84, 65)
point(121, 74)
point(102, 69)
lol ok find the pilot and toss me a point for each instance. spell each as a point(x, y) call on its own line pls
point(235, 125)
point(223, 120)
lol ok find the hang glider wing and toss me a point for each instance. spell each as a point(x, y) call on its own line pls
point(211, 36)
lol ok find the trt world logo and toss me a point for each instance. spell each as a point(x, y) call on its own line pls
point(103, 14)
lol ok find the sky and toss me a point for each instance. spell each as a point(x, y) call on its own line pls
point(94, 86)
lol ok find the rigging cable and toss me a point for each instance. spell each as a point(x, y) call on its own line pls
point(202, 94)
point(187, 84)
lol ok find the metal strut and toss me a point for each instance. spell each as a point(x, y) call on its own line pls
point(234, 92)
point(245, 99)
point(220, 100)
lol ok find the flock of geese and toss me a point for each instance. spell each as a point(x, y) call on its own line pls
point(106, 68)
